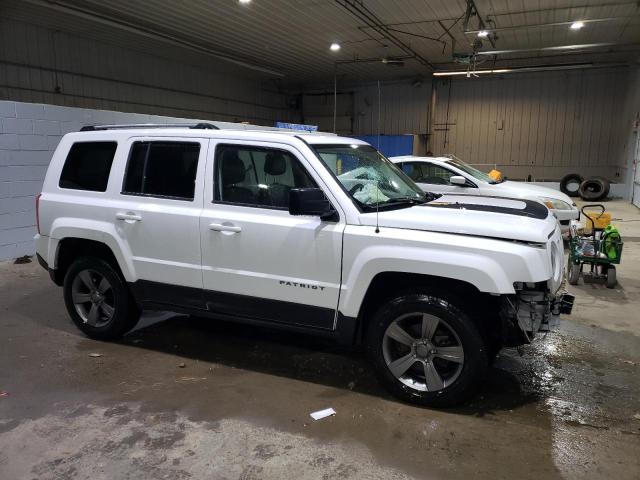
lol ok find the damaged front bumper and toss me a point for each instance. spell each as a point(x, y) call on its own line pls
point(531, 311)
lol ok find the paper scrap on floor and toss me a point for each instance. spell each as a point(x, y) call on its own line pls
point(320, 414)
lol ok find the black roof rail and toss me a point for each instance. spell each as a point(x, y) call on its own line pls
point(195, 126)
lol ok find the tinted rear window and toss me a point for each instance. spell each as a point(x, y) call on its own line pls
point(162, 169)
point(88, 165)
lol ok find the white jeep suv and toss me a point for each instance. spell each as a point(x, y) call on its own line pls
point(306, 232)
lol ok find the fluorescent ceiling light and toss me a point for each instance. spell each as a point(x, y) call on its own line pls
point(472, 72)
point(244, 1)
point(533, 68)
point(483, 33)
point(334, 47)
point(577, 25)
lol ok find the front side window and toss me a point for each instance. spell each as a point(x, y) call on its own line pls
point(162, 169)
point(87, 166)
point(369, 178)
point(256, 176)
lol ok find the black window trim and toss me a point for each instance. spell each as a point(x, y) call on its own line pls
point(106, 189)
point(146, 157)
point(260, 148)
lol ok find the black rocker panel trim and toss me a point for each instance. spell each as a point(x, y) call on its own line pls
point(158, 293)
point(155, 295)
point(271, 310)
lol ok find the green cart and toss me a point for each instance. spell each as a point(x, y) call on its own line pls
point(601, 250)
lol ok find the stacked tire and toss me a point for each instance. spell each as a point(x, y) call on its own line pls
point(591, 189)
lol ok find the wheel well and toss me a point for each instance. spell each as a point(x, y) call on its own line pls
point(388, 285)
point(71, 249)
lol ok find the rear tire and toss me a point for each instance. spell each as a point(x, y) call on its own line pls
point(426, 351)
point(612, 281)
point(98, 300)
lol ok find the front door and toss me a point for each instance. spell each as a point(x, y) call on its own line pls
point(258, 260)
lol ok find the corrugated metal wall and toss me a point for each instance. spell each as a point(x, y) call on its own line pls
point(43, 66)
point(545, 124)
point(317, 109)
point(631, 148)
point(404, 108)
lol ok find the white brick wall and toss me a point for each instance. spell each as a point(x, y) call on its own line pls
point(29, 133)
point(24, 157)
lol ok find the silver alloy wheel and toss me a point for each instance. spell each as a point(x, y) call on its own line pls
point(423, 351)
point(93, 298)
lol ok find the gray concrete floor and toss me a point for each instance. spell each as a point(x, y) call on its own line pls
point(239, 408)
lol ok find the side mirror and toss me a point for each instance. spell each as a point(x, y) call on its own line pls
point(458, 180)
point(311, 201)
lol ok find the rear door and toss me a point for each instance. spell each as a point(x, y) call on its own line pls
point(258, 260)
point(157, 213)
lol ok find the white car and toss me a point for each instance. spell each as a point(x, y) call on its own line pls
point(305, 232)
point(452, 175)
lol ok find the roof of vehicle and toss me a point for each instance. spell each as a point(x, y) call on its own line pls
point(213, 130)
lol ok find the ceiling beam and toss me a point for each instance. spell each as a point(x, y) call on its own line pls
point(558, 8)
point(552, 24)
point(584, 46)
point(362, 13)
point(530, 68)
point(471, 11)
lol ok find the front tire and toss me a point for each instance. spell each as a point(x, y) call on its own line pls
point(98, 300)
point(426, 351)
point(573, 273)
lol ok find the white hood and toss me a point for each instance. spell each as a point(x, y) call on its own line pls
point(528, 190)
point(503, 218)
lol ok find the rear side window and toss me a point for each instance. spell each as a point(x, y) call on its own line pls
point(87, 166)
point(162, 169)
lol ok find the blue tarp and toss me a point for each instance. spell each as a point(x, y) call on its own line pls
point(390, 145)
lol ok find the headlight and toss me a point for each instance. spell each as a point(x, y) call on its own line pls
point(555, 204)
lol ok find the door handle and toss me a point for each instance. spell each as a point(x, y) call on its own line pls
point(218, 227)
point(129, 217)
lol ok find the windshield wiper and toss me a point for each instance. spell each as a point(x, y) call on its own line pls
point(430, 196)
point(427, 197)
point(400, 201)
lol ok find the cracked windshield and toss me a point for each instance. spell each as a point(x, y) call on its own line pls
point(371, 179)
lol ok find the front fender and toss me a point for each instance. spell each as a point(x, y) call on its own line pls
point(103, 232)
point(491, 266)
